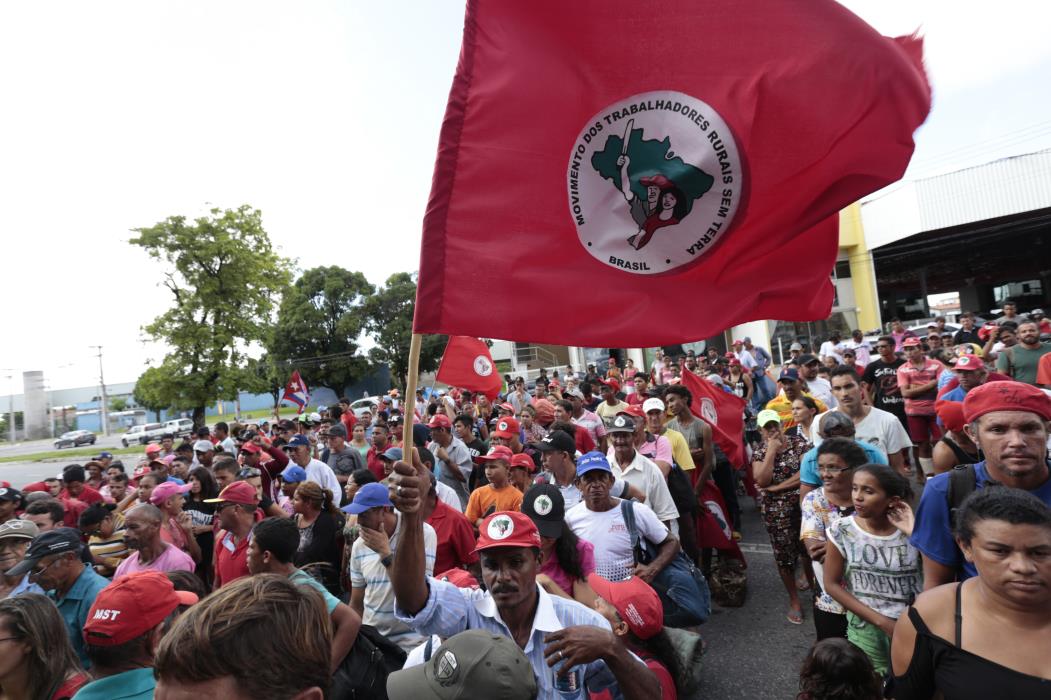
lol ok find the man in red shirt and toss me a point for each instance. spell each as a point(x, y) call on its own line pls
point(380, 443)
point(918, 381)
point(260, 454)
point(236, 508)
point(639, 396)
point(73, 476)
point(456, 540)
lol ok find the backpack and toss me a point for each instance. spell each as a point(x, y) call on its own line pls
point(962, 483)
point(363, 672)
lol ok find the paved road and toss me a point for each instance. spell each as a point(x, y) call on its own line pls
point(753, 651)
point(21, 473)
point(33, 446)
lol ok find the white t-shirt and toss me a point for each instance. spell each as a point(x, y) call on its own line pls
point(747, 361)
point(828, 348)
point(647, 477)
point(882, 571)
point(821, 389)
point(322, 474)
point(880, 429)
point(608, 533)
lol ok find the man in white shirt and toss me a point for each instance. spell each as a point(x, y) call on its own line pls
point(639, 471)
point(299, 449)
point(599, 520)
point(742, 354)
point(831, 348)
point(871, 425)
point(818, 387)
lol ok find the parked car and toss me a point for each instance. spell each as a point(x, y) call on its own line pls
point(75, 438)
point(367, 404)
point(142, 434)
point(179, 427)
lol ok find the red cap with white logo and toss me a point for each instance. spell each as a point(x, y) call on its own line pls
point(132, 606)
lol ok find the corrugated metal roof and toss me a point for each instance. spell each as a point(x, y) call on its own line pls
point(1000, 188)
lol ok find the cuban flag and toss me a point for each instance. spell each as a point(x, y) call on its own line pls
point(296, 391)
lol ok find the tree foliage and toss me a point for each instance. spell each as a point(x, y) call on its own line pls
point(224, 277)
point(319, 322)
point(153, 392)
point(389, 312)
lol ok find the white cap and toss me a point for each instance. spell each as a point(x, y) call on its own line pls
point(203, 446)
point(653, 404)
point(715, 379)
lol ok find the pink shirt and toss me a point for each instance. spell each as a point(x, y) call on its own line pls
point(657, 447)
point(910, 375)
point(172, 559)
point(559, 576)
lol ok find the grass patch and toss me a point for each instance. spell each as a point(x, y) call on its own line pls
point(79, 452)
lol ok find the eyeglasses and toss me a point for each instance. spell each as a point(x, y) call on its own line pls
point(248, 473)
point(833, 470)
point(37, 572)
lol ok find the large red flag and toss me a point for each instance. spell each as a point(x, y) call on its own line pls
point(468, 364)
point(721, 410)
point(678, 164)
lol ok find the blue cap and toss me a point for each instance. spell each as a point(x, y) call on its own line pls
point(789, 373)
point(593, 461)
point(294, 474)
point(393, 453)
point(105, 455)
point(368, 496)
point(322, 408)
point(299, 440)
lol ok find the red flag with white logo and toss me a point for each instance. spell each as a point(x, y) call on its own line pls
point(468, 364)
point(677, 166)
point(721, 410)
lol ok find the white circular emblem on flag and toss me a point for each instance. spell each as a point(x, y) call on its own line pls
point(500, 527)
point(708, 411)
point(654, 181)
point(482, 366)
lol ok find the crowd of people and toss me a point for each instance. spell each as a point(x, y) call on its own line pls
point(552, 542)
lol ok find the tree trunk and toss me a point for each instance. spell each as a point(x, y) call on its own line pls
point(157, 416)
point(198, 417)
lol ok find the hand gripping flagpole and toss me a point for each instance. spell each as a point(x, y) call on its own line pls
point(410, 394)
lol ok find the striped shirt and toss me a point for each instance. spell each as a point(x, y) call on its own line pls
point(111, 550)
point(450, 610)
point(368, 572)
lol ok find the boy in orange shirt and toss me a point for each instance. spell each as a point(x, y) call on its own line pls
point(498, 495)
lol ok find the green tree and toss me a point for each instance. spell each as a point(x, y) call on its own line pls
point(118, 404)
point(319, 322)
point(224, 276)
point(153, 392)
point(390, 312)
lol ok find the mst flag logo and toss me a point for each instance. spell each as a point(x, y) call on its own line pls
point(654, 181)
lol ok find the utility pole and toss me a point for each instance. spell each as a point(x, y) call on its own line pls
point(105, 401)
point(11, 405)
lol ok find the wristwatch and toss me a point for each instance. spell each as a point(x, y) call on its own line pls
point(387, 560)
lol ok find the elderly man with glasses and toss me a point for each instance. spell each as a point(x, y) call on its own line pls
point(53, 563)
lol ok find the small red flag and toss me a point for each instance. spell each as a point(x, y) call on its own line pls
point(467, 364)
point(680, 164)
point(721, 410)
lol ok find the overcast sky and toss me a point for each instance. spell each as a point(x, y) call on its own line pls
point(119, 114)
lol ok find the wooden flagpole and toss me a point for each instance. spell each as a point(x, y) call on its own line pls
point(410, 394)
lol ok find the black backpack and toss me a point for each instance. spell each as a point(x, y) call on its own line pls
point(363, 673)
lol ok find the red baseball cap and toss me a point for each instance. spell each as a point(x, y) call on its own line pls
point(506, 407)
point(525, 461)
point(507, 427)
point(250, 448)
point(633, 410)
point(153, 448)
point(142, 471)
point(968, 363)
point(612, 384)
point(636, 603)
point(440, 420)
point(459, 578)
point(132, 606)
point(1006, 396)
point(240, 492)
point(951, 414)
point(496, 452)
point(507, 529)
point(911, 342)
